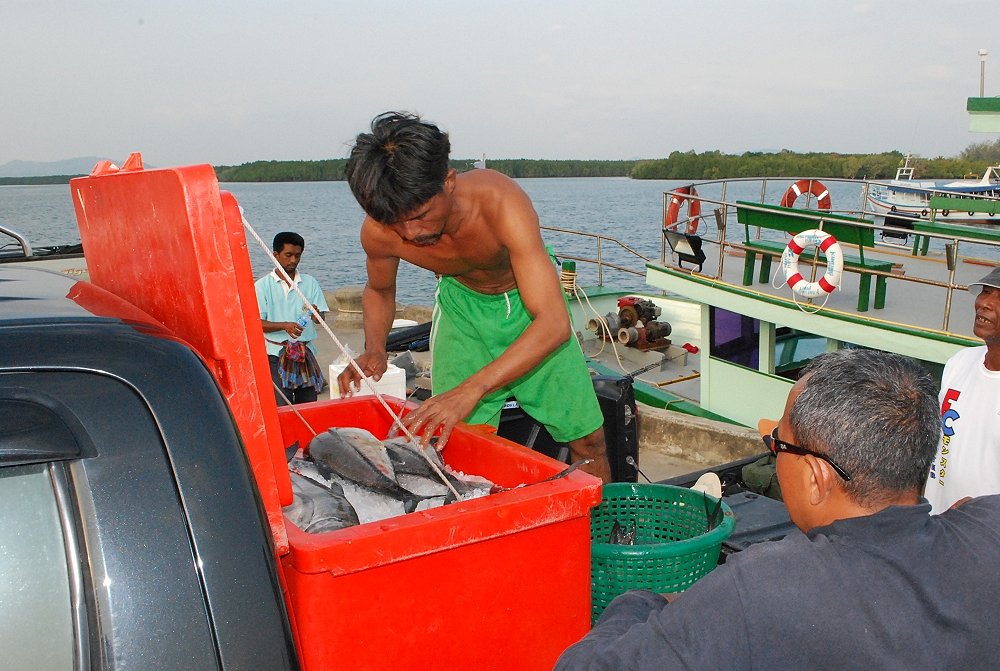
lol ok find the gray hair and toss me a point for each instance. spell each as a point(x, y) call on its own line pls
point(875, 414)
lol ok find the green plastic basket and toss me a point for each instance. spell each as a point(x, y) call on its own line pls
point(673, 545)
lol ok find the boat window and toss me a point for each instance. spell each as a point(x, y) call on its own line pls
point(735, 338)
point(794, 349)
point(935, 369)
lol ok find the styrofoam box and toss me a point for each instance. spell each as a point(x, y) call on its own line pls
point(393, 382)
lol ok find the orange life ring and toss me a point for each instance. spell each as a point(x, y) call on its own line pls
point(813, 186)
point(674, 208)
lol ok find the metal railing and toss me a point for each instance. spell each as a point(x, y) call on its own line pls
point(951, 242)
point(21, 240)
point(599, 259)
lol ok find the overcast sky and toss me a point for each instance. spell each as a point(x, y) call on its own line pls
point(228, 82)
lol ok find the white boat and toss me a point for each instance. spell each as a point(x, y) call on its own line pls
point(908, 197)
point(739, 334)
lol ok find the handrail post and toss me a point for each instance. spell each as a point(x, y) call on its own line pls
point(663, 238)
point(721, 224)
point(600, 263)
point(951, 257)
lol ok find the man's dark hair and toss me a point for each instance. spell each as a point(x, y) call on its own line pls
point(397, 167)
point(875, 414)
point(287, 238)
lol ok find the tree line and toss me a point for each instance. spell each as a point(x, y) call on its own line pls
point(972, 161)
point(678, 165)
point(716, 165)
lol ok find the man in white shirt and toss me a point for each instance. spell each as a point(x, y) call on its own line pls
point(968, 460)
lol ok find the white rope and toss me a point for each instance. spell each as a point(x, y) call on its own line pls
point(568, 282)
point(396, 419)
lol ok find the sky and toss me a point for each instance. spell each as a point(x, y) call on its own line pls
point(229, 82)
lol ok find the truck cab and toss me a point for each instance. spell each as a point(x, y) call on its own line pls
point(129, 540)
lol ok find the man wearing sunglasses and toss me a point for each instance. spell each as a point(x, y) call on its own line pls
point(873, 582)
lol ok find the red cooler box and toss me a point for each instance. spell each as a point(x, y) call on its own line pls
point(500, 582)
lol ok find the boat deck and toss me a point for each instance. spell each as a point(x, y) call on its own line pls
point(921, 292)
point(917, 293)
point(927, 312)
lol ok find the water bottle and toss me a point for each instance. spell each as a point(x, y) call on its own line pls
point(302, 321)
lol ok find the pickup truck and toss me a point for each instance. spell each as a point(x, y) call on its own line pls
point(133, 532)
point(143, 479)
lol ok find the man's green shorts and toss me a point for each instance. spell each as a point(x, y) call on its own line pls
point(472, 329)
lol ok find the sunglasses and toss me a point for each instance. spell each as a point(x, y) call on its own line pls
point(776, 445)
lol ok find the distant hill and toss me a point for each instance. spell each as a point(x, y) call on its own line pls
point(70, 166)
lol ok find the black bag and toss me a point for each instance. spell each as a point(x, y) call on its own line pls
point(621, 432)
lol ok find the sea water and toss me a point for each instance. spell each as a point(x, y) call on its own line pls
point(328, 217)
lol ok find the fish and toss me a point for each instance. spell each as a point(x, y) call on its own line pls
point(316, 508)
point(356, 455)
point(407, 461)
point(621, 535)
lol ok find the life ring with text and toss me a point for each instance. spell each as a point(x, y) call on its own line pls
point(813, 186)
point(834, 263)
point(674, 208)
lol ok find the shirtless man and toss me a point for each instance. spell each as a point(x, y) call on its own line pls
point(501, 327)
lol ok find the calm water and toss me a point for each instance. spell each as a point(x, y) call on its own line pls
point(326, 214)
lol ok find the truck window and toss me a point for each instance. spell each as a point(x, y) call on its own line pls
point(36, 620)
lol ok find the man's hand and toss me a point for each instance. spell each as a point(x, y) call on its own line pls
point(293, 329)
point(442, 412)
point(372, 364)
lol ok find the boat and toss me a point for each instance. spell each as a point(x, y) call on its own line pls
point(739, 334)
point(905, 196)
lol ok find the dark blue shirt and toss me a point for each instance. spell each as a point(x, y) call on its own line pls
point(900, 589)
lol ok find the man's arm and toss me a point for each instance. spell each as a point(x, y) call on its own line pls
point(291, 328)
point(640, 630)
point(378, 304)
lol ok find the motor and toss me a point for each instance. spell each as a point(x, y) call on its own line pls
point(633, 310)
point(604, 327)
point(644, 336)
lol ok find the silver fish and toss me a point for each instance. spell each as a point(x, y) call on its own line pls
point(316, 508)
point(407, 460)
point(356, 455)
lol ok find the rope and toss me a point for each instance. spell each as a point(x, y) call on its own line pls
point(396, 419)
point(567, 278)
point(298, 414)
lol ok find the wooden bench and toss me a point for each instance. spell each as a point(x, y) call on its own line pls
point(790, 220)
point(955, 204)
